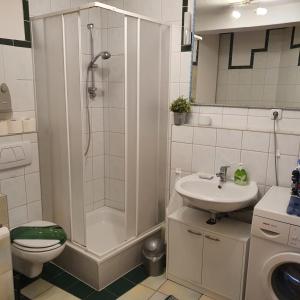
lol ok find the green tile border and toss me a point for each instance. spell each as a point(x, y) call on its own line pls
point(19, 43)
point(74, 286)
point(137, 275)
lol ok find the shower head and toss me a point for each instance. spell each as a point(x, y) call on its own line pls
point(104, 55)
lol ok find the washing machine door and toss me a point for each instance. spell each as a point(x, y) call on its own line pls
point(281, 277)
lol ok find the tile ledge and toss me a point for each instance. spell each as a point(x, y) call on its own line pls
point(20, 133)
point(243, 129)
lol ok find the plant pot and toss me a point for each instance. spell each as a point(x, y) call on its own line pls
point(179, 118)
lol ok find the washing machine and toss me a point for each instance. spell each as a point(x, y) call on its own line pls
point(274, 257)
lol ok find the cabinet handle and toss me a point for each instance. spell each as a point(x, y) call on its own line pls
point(211, 238)
point(193, 232)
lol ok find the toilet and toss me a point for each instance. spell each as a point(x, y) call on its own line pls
point(34, 244)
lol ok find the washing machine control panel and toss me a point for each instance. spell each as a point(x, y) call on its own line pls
point(294, 237)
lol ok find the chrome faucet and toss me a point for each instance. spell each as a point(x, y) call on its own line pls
point(223, 173)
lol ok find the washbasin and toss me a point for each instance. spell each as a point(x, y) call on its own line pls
point(214, 196)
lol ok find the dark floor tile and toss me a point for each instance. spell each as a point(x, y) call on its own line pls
point(64, 281)
point(137, 275)
point(80, 290)
point(120, 287)
point(50, 270)
point(20, 280)
point(102, 295)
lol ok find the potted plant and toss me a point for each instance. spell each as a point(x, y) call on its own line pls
point(180, 107)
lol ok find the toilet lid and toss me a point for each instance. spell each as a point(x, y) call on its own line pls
point(38, 234)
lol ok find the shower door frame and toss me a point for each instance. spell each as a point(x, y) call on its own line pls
point(133, 231)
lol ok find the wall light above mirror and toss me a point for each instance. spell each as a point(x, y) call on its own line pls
point(253, 61)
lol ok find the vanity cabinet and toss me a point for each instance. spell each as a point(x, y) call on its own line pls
point(209, 258)
point(186, 243)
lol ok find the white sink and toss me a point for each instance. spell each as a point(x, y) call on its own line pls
point(213, 196)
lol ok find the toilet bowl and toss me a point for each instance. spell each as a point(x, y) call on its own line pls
point(34, 244)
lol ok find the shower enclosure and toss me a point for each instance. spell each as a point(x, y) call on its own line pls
point(111, 197)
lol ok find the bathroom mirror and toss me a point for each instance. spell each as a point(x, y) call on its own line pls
point(243, 59)
point(14, 23)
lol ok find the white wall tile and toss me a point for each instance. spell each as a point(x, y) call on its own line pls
point(175, 67)
point(235, 111)
point(34, 211)
point(97, 119)
point(286, 144)
point(256, 165)
point(176, 38)
point(116, 95)
point(22, 95)
point(229, 138)
point(216, 119)
point(116, 168)
point(15, 190)
point(171, 10)
point(203, 159)
point(57, 5)
point(38, 7)
point(184, 90)
point(17, 63)
point(98, 189)
point(98, 166)
point(256, 141)
point(117, 120)
point(88, 169)
point(234, 121)
point(259, 123)
point(116, 40)
point(185, 66)
point(88, 192)
point(285, 165)
point(17, 216)
point(117, 190)
point(181, 156)
point(174, 91)
point(33, 187)
point(98, 143)
point(116, 68)
point(117, 144)
point(205, 136)
point(183, 134)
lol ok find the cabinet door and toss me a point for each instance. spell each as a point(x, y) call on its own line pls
point(222, 270)
point(185, 252)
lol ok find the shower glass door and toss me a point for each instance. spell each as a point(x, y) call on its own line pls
point(116, 191)
point(104, 164)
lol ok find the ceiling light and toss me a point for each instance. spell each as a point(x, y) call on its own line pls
point(236, 14)
point(261, 11)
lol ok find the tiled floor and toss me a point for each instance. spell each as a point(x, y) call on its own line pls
point(55, 284)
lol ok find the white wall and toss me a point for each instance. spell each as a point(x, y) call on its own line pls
point(21, 185)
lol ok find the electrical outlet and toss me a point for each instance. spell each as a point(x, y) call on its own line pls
point(279, 111)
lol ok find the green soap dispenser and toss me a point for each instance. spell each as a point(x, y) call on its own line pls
point(240, 175)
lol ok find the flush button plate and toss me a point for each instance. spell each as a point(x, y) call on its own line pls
point(15, 155)
point(5, 99)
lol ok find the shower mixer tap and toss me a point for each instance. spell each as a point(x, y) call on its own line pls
point(92, 90)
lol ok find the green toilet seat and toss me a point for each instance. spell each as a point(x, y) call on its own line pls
point(38, 235)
